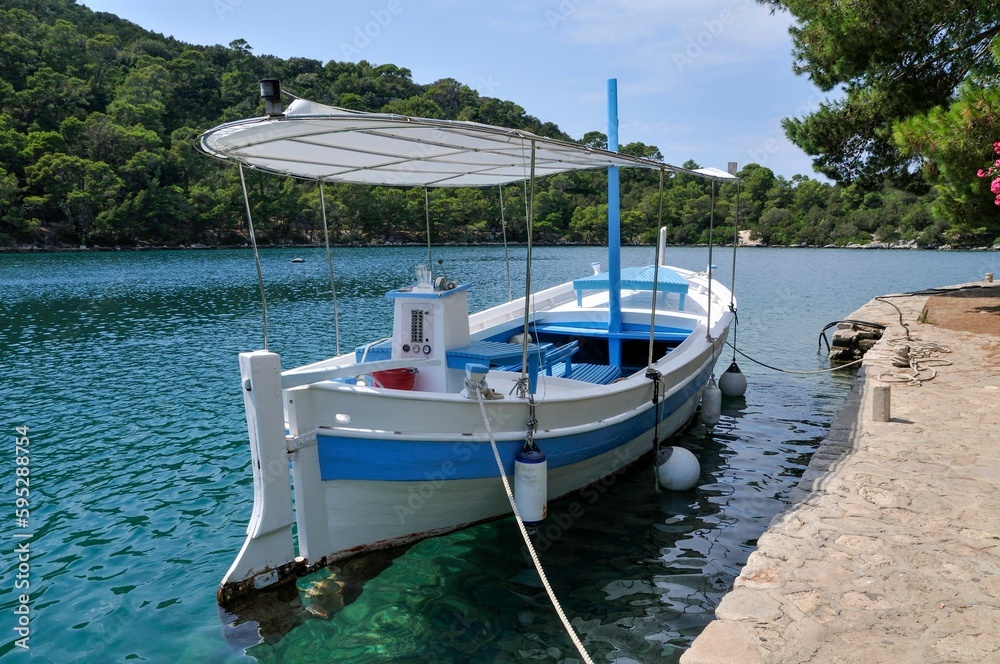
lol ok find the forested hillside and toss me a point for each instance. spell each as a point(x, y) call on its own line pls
point(100, 117)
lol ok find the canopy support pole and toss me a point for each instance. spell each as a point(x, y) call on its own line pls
point(736, 243)
point(427, 218)
point(256, 255)
point(523, 385)
point(711, 227)
point(506, 253)
point(329, 263)
point(656, 277)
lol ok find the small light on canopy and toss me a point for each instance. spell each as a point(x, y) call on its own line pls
point(270, 92)
point(270, 89)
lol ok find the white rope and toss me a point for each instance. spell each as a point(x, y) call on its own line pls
point(917, 357)
point(472, 386)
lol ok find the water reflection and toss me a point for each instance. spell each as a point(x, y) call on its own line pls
point(124, 366)
point(641, 569)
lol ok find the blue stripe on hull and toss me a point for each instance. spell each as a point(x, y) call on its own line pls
point(400, 459)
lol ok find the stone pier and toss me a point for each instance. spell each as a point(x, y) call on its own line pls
point(890, 549)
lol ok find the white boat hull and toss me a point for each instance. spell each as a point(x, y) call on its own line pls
point(373, 468)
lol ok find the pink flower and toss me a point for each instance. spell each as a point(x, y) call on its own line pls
point(993, 171)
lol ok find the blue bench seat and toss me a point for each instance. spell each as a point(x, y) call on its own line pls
point(599, 374)
point(558, 362)
point(636, 278)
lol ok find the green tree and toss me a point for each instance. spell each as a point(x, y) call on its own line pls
point(50, 97)
point(74, 192)
point(590, 224)
point(892, 61)
point(18, 58)
point(102, 51)
point(63, 48)
point(420, 107)
point(140, 99)
point(451, 96)
point(13, 228)
point(956, 141)
point(755, 190)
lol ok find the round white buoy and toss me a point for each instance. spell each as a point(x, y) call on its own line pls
point(678, 469)
point(733, 383)
point(711, 404)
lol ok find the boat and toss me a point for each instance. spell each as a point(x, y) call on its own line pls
point(410, 436)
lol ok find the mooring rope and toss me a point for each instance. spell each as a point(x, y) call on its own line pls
point(906, 328)
point(477, 388)
point(917, 359)
point(656, 377)
point(789, 371)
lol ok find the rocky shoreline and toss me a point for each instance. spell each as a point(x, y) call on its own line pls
point(907, 246)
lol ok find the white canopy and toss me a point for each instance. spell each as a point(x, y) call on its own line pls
point(714, 173)
point(318, 142)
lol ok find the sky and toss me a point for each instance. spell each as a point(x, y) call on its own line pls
point(708, 80)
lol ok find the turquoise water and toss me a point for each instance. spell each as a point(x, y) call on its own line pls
point(123, 366)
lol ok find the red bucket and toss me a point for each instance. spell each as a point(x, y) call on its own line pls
point(395, 379)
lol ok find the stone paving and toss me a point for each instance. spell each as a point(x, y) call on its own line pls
point(890, 550)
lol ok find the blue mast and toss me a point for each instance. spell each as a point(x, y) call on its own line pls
point(614, 236)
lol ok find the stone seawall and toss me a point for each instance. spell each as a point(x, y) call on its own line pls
point(890, 550)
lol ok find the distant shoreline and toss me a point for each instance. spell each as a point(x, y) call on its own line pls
point(34, 249)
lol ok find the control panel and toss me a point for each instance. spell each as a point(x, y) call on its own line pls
point(426, 324)
point(417, 339)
